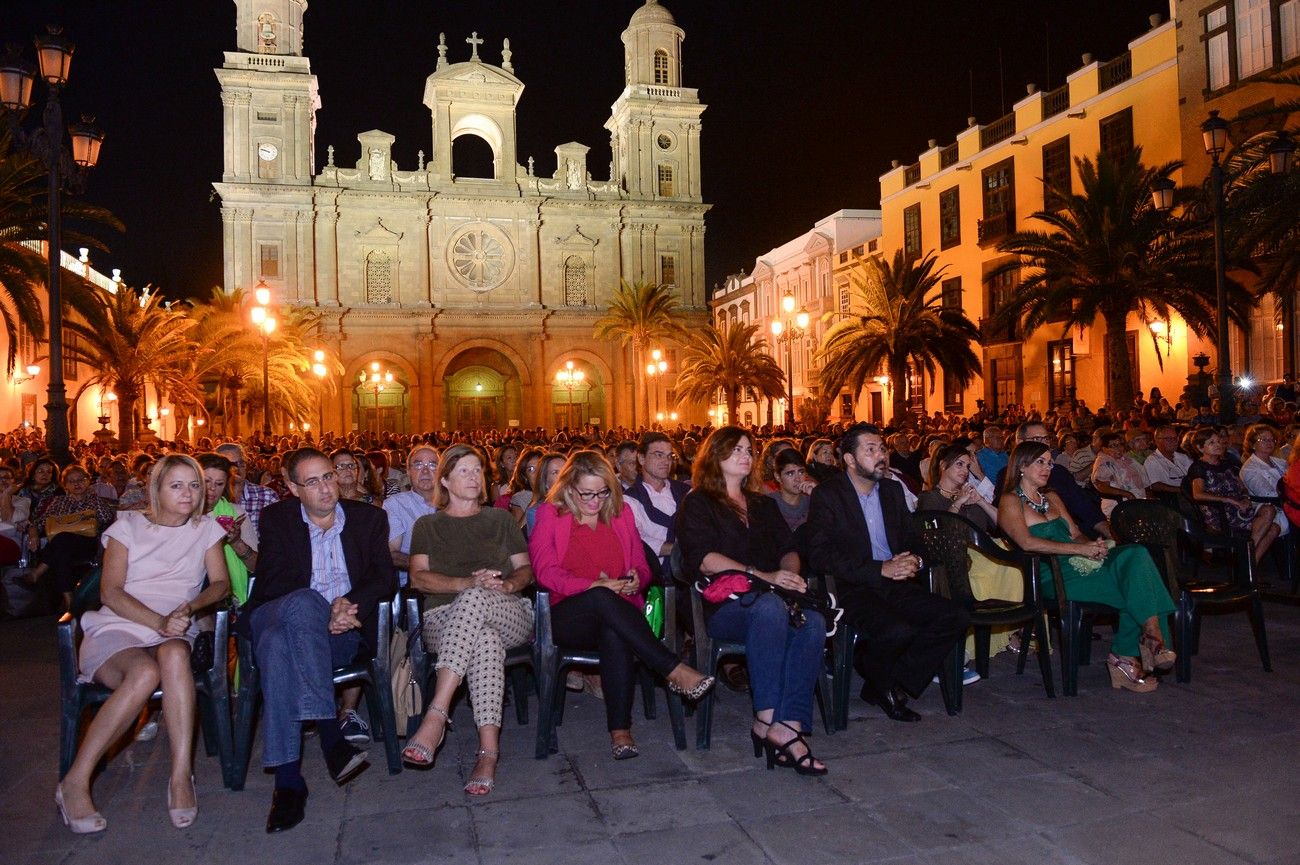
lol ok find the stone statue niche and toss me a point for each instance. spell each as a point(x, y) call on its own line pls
point(376, 162)
point(571, 166)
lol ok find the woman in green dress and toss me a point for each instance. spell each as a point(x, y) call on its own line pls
point(1123, 577)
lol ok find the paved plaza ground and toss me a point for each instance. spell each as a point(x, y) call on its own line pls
point(1203, 773)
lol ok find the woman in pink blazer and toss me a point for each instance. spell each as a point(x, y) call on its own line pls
point(586, 552)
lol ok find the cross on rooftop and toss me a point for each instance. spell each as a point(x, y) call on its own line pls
point(474, 42)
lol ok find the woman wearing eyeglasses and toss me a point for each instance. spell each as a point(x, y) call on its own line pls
point(349, 468)
point(586, 552)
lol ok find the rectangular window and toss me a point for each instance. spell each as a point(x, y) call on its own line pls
point(26, 345)
point(872, 245)
point(951, 293)
point(667, 270)
point(1254, 36)
point(268, 116)
point(912, 231)
point(846, 405)
point(999, 182)
point(844, 299)
point(665, 181)
point(949, 218)
point(844, 258)
point(858, 251)
point(1217, 58)
point(1288, 14)
point(826, 285)
point(1117, 134)
point(915, 390)
point(1056, 173)
point(1060, 371)
point(269, 255)
point(999, 292)
point(952, 393)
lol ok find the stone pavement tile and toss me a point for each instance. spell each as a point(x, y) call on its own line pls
point(32, 825)
point(309, 843)
point(433, 835)
point(596, 767)
point(755, 792)
point(944, 818)
point(548, 821)
point(1048, 800)
point(1019, 850)
point(377, 792)
point(714, 843)
point(1139, 838)
point(587, 853)
point(1250, 825)
point(842, 834)
point(871, 778)
point(646, 807)
point(977, 760)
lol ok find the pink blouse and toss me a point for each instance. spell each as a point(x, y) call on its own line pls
point(549, 545)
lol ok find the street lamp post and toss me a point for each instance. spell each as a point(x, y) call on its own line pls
point(1214, 135)
point(569, 378)
point(655, 370)
point(793, 327)
point(320, 370)
point(54, 56)
point(266, 323)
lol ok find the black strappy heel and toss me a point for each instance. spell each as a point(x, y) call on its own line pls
point(781, 755)
point(761, 745)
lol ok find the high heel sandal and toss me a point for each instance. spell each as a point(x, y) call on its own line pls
point(761, 745)
point(1124, 674)
point(182, 818)
point(79, 825)
point(701, 688)
point(418, 756)
point(782, 755)
point(482, 786)
point(1155, 656)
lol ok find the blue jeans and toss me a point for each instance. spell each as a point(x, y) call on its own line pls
point(784, 662)
point(296, 656)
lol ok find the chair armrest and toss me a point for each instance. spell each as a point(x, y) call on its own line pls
point(67, 638)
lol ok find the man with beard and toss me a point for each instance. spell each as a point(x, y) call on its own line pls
point(862, 534)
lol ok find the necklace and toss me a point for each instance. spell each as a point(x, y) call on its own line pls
point(950, 496)
point(1040, 507)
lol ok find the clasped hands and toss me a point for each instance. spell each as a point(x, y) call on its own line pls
point(489, 578)
point(1096, 550)
point(901, 567)
point(175, 623)
point(343, 615)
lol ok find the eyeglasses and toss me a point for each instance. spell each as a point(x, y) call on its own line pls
point(1042, 439)
point(345, 467)
point(587, 496)
point(313, 483)
point(425, 466)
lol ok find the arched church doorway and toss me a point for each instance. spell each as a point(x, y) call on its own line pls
point(577, 395)
point(472, 156)
point(381, 405)
point(483, 391)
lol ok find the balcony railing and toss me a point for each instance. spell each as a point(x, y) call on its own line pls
point(1056, 101)
point(912, 174)
point(992, 332)
point(948, 156)
point(999, 130)
point(993, 228)
point(1114, 72)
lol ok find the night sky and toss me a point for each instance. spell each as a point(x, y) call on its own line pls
point(807, 102)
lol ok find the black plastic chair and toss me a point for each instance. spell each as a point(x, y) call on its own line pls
point(372, 674)
point(947, 539)
point(212, 687)
point(1159, 527)
point(519, 661)
point(549, 664)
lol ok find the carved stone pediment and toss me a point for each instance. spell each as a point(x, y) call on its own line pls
point(380, 232)
point(577, 238)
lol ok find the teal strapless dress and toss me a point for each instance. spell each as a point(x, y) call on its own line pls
point(1127, 580)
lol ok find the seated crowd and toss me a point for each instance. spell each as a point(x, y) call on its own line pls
point(310, 538)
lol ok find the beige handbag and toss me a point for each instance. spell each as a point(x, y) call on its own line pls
point(81, 523)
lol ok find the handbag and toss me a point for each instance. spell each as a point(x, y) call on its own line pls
point(408, 693)
point(731, 585)
point(82, 523)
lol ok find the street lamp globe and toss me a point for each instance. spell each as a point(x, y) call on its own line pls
point(16, 79)
point(1162, 194)
point(269, 325)
point(33, 370)
point(258, 315)
point(54, 54)
point(777, 327)
point(319, 370)
point(87, 139)
point(1280, 154)
point(1214, 134)
point(801, 320)
point(787, 303)
point(262, 293)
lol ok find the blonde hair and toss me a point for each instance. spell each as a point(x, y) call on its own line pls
point(159, 473)
point(586, 463)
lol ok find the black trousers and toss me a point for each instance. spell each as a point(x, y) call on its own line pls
point(63, 554)
point(908, 633)
point(600, 620)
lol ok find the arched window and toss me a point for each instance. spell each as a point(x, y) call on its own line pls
point(661, 67)
point(744, 312)
point(471, 156)
point(575, 282)
point(379, 277)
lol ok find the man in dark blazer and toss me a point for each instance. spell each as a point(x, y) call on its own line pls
point(324, 568)
point(861, 533)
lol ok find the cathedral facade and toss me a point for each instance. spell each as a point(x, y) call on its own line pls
point(473, 292)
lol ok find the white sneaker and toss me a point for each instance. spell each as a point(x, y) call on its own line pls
point(149, 731)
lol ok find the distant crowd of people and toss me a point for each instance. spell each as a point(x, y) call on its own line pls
point(310, 537)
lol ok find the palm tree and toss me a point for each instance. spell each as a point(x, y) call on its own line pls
point(639, 315)
point(733, 359)
point(131, 339)
point(23, 270)
point(906, 324)
point(1109, 253)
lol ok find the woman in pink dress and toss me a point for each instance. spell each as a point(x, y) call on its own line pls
point(151, 587)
